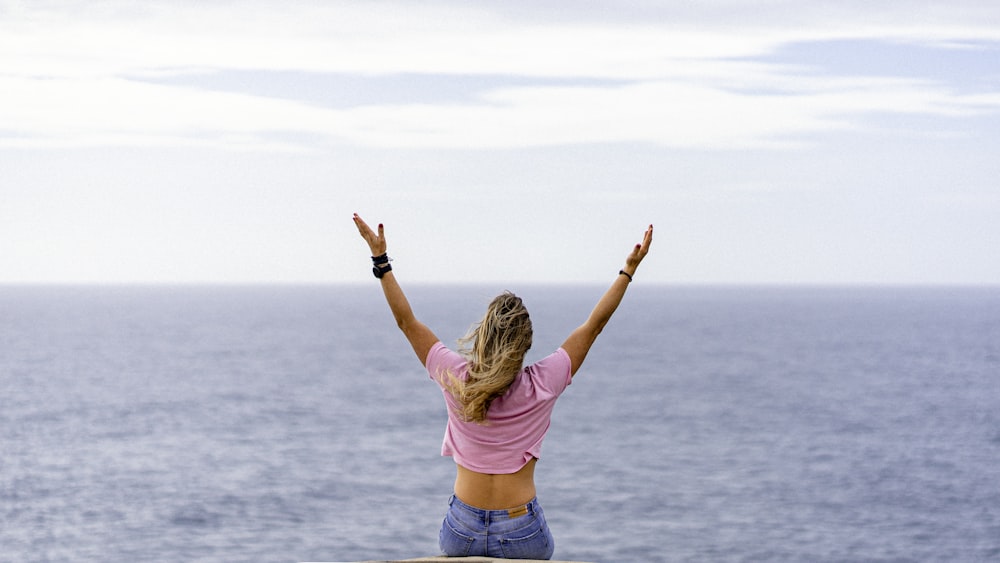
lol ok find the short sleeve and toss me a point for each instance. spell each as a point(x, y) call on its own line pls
point(553, 373)
point(441, 360)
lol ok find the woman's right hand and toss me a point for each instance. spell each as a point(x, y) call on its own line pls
point(639, 252)
point(376, 242)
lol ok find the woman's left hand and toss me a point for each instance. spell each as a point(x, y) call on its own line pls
point(376, 242)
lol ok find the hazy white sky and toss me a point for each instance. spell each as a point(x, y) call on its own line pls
point(768, 141)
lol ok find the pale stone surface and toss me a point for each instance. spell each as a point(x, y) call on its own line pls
point(467, 560)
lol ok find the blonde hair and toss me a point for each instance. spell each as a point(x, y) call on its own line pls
point(494, 348)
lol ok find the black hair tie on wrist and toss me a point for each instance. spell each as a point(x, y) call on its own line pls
point(624, 273)
point(381, 265)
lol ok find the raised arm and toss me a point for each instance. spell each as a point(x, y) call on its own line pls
point(421, 338)
point(581, 339)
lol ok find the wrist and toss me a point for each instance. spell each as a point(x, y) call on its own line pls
point(381, 265)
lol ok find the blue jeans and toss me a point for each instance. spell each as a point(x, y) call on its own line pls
point(516, 533)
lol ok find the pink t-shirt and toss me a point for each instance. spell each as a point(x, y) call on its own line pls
point(516, 422)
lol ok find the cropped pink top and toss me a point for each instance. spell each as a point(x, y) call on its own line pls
point(516, 421)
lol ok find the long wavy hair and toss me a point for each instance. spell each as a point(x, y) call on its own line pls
point(494, 348)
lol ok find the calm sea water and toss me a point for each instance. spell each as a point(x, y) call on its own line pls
point(294, 423)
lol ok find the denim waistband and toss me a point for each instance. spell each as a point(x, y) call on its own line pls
point(492, 515)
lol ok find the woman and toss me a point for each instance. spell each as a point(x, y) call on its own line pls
point(498, 412)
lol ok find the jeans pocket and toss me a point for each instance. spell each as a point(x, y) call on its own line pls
point(533, 541)
point(452, 542)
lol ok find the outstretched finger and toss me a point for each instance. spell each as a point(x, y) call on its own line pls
point(647, 239)
point(363, 227)
point(639, 250)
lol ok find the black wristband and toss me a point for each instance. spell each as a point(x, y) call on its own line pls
point(624, 273)
point(381, 259)
point(381, 269)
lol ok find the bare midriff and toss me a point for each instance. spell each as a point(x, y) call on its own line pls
point(496, 491)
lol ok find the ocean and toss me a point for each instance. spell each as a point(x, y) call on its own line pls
point(294, 423)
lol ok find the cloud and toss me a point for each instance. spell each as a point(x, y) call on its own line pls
point(84, 77)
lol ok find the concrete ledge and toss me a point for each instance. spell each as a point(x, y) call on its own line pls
point(440, 559)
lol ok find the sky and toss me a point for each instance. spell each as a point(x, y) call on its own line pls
point(769, 142)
